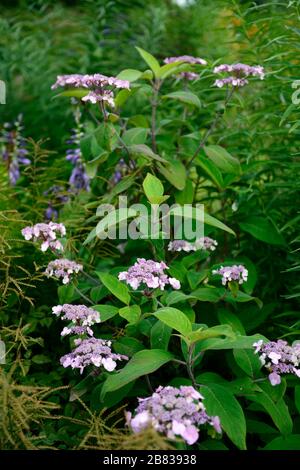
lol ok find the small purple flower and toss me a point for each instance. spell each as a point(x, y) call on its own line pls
point(232, 273)
point(279, 358)
point(150, 273)
point(63, 269)
point(174, 412)
point(45, 233)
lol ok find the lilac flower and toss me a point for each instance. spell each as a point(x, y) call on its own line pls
point(14, 151)
point(174, 412)
point(57, 198)
point(63, 269)
point(122, 169)
point(181, 245)
point(206, 243)
point(77, 314)
point(188, 60)
point(99, 86)
point(46, 233)
point(148, 272)
point(98, 96)
point(238, 72)
point(92, 351)
point(232, 273)
point(96, 80)
point(203, 243)
point(79, 178)
point(279, 358)
point(77, 330)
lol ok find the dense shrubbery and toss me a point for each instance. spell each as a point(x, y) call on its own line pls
point(213, 318)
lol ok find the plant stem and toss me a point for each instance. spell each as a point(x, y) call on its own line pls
point(82, 295)
point(211, 128)
point(189, 365)
point(154, 103)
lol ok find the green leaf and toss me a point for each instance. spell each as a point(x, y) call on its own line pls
point(208, 294)
point(116, 287)
point(241, 342)
point(153, 189)
point(175, 319)
point(297, 397)
point(129, 74)
point(65, 293)
point(248, 361)
point(220, 402)
point(110, 222)
point(150, 60)
point(263, 229)
point(142, 363)
point(106, 311)
point(175, 173)
point(229, 318)
point(145, 151)
point(211, 170)
point(128, 346)
point(277, 410)
point(213, 332)
point(173, 68)
point(185, 97)
point(138, 135)
point(186, 196)
point(131, 314)
point(160, 335)
point(73, 93)
point(41, 359)
point(222, 159)
point(209, 220)
point(291, 442)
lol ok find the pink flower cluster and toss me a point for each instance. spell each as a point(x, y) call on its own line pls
point(96, 84)
point(92, 351)
point(279, 358)
point(174, 412)
point(238, 72)
point(232, 273)
point(45, 233)
point(63, 269)
point(148, 272)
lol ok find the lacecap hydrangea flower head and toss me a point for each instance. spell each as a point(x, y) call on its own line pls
point(148, 273)
point(203, 243)
point(186, 59)
point(46, 234)
point(174, 412)
point(99, 86)
point(279, 358)
point(237, 273)
point(238, 74)
point(63, 269)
